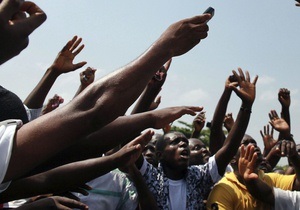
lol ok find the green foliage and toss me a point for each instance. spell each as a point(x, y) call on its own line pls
point(187, 131)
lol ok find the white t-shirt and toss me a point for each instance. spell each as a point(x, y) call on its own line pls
point(286, 199)
point(112, 191)
point(7, 132)
point(177, 196)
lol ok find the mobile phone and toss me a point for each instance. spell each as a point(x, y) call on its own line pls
point(210, 11)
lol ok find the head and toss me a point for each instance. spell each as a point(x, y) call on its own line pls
point(199, 154)
point(149, 151)
point(261, 161)
point(173, 153)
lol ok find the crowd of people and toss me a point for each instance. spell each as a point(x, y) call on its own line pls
point(88, 154)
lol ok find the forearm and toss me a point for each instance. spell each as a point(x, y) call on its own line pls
point(37, 97)
point(144, 102)
point(79, 90)
point(273, 158)
point(146, 198)
point(233, 140)
point(285, 114)
point(261, 191)
point(217, 136)
point(59, 179)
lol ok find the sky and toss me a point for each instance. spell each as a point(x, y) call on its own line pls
point(259, 36)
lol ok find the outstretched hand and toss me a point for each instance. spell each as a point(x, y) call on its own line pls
point(246, 90)
point(164, 117)
point(64, 60)
point(15, 26)
point(247, 163)
point(129, 154)
point(279, 124)
point(183, 35)
point(267, 136)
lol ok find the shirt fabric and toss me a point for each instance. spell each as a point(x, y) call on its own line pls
point(7, 133)
point(112, 191)
point(286, 199)
point(229, 193)
point(198, 180)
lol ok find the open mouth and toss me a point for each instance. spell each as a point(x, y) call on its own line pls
point(185, 154)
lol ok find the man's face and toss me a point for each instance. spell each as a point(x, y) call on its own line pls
point(261, 162)
point(176, 153)
point(149, 154)
point(199, 153)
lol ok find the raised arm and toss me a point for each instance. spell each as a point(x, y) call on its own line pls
point(101, 102)
point(152, 89)
point(246, 92)
point(217, 136)
point(269, 141)
point(14, 30)
point(53, 103)
point(62, 64)
point(198, 124)
point(285, 100)
point(257, 188)
point(280, 125)
point(87, 77)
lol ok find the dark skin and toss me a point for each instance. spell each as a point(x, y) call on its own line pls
point(217, 136)
point(52, 203)
point(198, 124)
point(59, 180)
point(98, 105)
point(15, 29)
point(177, 148)
point(199, 154)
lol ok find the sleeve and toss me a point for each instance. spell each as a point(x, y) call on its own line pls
point(221, 197)
point(32, 113)
point(213, 169)
point(285, 199)
point(7, 133)
point(284, 182)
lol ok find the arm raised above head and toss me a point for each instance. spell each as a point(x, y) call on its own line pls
point(101, 102)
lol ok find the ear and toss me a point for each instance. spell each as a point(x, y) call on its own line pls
point(158, 155)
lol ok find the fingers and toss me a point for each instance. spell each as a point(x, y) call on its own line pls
point(35, 19)
point(255, 80)
point(191, 110)
point(79, 65)
point(70, 203)
point(199, 19)
point(7, 9)
point(142, 140)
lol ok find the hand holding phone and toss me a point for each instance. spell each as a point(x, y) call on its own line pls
point(210, 11)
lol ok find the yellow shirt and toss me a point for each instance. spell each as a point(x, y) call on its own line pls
point(230, 194)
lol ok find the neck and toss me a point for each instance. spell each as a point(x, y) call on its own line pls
point(174, 174)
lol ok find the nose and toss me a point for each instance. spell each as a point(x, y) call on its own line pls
point(183, 144)
point(148, 153)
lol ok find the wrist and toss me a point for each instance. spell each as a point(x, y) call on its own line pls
point(53, 71)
